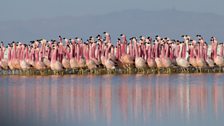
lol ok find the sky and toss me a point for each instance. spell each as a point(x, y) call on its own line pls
point(34, 9)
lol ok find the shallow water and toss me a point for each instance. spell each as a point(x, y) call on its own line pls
point(179, 99)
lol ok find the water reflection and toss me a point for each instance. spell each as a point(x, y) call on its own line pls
point(109, 99)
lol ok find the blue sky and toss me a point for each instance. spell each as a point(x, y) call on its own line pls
point(29, 9)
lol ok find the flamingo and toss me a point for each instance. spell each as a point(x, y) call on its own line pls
point(109, 64)
point(10, 58)
point(73, 61)
point(23, 63)
point(140, 63)
point(172, 53)
point(39, 65)
point(80, 58)
point(15, 61)
point(92, 53)
point(3, 61)
point(208, 60)
point(46, 60)
point(158, 60)
point(126, 59)
point(31, 58)
point(181, 61)
point(165, 58)
point(199, 58)
point(218, 59)
point(150, 59)
point(66, 59)
point(90, 63)
point(81, 62)
point(192, 59)
point(56, 66)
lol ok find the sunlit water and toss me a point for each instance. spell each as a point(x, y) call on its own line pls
point(124, 100)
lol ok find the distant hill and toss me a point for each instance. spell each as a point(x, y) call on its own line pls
point(169, 23)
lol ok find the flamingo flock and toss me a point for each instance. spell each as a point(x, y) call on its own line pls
point(98, 53)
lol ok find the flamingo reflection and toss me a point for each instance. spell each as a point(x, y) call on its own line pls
point(76, 100)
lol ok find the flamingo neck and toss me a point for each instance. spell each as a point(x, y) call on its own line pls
point(200, 51)
point(144, 52)
point(206, 51)
point(1, 54)
point(93, 51)
point(162, 52)
point(167, 50)
point(124, 39)
point(14, 53)
point(156, 50)
point(106, 52)
point(130, 49)
point(71, 52)
point(180, 50)
point(108, 38)
point(221, 51)
point(60, 39)
point(97, 53)
point(32, 54)
point(136, 52)
point(149, 52)
point(123, 49)
point(21, 54)
point(119, 52)
point(78, 52)
point(183, 51)
point(27, 54)
point(192, 52)
point(215, 51)
point(54, 56)
point(112, 51)
point(171, 53)
point(9, 54)
point(87, 54)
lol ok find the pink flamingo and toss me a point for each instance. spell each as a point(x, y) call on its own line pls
point(126, 59)
point(90, 63)
point(66, 59)
point(181, 61)
point(3, 61)
point(140, 63)
point(192, 59)
point(157, 58)
point(56, 66)
point(31, 60)
point(92, 53)
point(218, 59)
point(208, 60)
point(73, 61)
point(46, 60)
point(81, 60)
point(199, 59)
point(10, 58)
point(165, 58)
point(109, 64)
point(15, 56)
point(39, 65)
point(150, 59)
point(23, 63)
point(172, 54)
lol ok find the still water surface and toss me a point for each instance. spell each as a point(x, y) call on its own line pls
point(124, 100)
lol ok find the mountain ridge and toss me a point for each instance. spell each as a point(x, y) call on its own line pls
point(171, 23)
